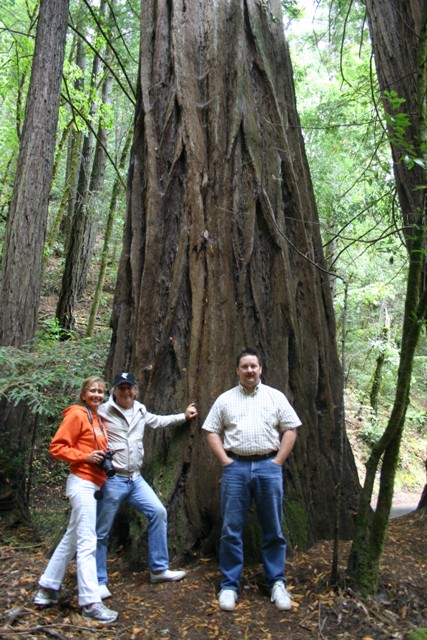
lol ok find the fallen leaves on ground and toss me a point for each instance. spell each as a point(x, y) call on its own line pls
point(189, 609)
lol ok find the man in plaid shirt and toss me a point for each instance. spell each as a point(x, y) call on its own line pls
point(252, 429)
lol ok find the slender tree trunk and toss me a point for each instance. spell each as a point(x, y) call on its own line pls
point(60, 148)
point(23, 247)
point(22, 80)
point(117, 187)
point(221, 249)
point(370, 532)
point(54, 224)
point(75, 151)
point(81, 238)
point(399, 35)
point(74, 159)
point(100, 157)
point(378, 373)
point(4, 187)
point(67, 194)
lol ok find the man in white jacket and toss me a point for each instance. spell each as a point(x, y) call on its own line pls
point(125, 420)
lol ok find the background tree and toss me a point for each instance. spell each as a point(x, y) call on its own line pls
point(18, 29)
point(82, 225)
point(348, 147)
point(116, 190)
point(221, 249)
point(23, 247)
point(350, 162)
point(400, 27)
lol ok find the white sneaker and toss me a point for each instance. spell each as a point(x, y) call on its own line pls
point(98, 611)
point(104, 592)
point(45, 597)
point(280, 596)
point(227, 599)
point(167, 576)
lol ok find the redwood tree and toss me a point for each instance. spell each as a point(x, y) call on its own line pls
point(222, 249)
point(23, 248)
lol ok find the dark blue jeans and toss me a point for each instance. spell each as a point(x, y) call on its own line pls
point(140, 495)
point(241, 483)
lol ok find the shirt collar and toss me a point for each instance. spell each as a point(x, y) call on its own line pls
point(254, 392)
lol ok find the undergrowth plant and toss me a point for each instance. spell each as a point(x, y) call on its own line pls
point(46, 379)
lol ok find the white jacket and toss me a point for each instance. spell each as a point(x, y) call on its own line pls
point(125, 438)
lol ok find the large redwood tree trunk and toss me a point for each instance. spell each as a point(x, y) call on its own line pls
point(222, 250)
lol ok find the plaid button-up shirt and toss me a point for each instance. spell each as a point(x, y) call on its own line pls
point(251, 424)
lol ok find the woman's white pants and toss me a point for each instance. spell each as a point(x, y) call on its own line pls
point(80, 540)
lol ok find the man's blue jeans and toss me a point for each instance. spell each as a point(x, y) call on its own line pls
point(140, 495)
point(241, 483)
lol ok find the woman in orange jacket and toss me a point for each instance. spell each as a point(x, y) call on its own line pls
point(81, 440)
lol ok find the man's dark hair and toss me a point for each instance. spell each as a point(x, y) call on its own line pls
point(248, 351)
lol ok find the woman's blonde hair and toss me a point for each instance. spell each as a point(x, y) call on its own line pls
point(88, 383)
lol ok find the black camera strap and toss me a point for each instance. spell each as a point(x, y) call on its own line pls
point(98, 495)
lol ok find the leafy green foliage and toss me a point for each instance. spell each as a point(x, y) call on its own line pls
point(348, 151)
point(291, 9)
point(52, 330)
point(372, 431)
point(48, 378)
point(398, 124)
point(17, 30)
point(418, 634)
point(116, 38)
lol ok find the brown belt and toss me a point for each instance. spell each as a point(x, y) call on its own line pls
point(254, 458)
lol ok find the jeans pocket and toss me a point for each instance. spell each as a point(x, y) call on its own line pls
point(227, 466)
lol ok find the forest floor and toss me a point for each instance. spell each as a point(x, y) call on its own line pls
point(189, 609)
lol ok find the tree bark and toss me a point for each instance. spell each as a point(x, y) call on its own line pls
point(74, 152)
point(116, 191)
point(399, 36)
point(81, 239)
point(222, 249)
point(68, 194)
point(23, 247)
point(378, 373)
point(423, 500)
point(79, 242)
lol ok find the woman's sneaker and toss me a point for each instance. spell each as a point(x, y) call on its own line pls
point(98, 611)
point(45, 597)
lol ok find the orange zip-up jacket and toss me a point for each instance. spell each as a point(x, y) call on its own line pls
point(75, 439)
